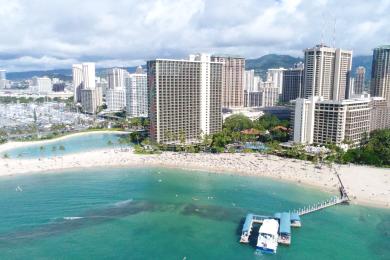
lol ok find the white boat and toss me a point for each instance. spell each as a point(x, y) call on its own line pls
point(267, 242)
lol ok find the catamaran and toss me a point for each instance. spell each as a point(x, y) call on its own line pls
point(267, 241)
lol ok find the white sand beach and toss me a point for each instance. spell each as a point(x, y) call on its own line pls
point(365, 185)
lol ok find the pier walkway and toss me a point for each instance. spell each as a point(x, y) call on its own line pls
point(321, 205)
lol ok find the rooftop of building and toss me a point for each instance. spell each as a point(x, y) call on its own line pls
point(185, 60)
point(221, 55)
point(323, 46)
point(383, 47)
point(345, 101)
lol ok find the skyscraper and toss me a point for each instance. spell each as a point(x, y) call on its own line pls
point(77, 71)
point(326, 72)
point(3, 75)
point(137, 94)
point(85, 91)
point(292, 85)
point(116, 78)
point(83, 78)
point(3, 79)
point(269, 94)
point(251, 81)
point(91, 99)
point(184, 98)
point(380, 75)
point(251, 89)
point(116, 92)
point(360, 77)
point(89, 75)
point(233, 71)
point(276, 76)
point(116, 99)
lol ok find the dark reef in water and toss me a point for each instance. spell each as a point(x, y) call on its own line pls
point(118, 210)
point(213, 212)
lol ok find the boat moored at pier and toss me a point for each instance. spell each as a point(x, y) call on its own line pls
point(267, 241)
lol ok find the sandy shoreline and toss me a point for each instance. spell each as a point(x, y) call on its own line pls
point(365, 185)
point(12, 145)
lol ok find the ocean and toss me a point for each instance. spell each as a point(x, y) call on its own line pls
point(155, 213)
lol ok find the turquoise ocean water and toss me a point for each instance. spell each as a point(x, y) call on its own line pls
point(71, 144)
point(172, 214)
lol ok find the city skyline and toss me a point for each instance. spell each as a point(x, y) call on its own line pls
point(130, 33)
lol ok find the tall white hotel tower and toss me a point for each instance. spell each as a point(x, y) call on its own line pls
point(184, 98)
point(137, 94)
point(326, 72)
point(83, 78)
point(85, 91)
point(115, 94)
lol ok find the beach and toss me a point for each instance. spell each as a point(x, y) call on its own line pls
point(365, 185)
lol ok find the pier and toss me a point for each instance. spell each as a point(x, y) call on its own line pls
point(321, 205)
point(292, 218)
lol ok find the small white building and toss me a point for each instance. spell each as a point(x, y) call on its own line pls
point(41, 85)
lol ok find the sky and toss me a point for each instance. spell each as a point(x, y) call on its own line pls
point(51, 34)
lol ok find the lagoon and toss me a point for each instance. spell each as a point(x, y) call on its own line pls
point(66, 145)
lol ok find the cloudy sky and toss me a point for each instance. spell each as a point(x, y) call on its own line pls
point(46, 34)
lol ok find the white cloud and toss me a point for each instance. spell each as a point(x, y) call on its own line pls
point(43, 34)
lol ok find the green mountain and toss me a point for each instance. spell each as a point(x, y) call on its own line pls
point(64, 74)
point(262, 64)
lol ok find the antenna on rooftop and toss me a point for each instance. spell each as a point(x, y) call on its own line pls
point(322, 29)
point(334, 32)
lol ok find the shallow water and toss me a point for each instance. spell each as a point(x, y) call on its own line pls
point(172, 214)
point(69, 145)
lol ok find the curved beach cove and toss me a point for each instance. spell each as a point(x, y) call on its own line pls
point(157, 213)
point(69, 144)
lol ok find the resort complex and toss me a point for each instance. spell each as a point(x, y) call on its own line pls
point(195, 129)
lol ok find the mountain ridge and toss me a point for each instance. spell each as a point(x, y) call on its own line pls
point(260, 65)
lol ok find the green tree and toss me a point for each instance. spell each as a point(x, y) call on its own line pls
point(268, 121)
point(375, 152)
point(237, 122)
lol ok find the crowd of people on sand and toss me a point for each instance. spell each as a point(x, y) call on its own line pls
point(364, 184)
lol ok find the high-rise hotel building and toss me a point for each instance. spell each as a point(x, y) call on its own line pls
point(380, 74)
point(116, 94)
point(85, 91)
point(233, 80)
point(326, 72)
point(276, 76)
point(292, 84)
point(137, 94)
point(360, 77)
point(83, 78)
point(184, 98)
point(321, 121)
point(3, 79)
